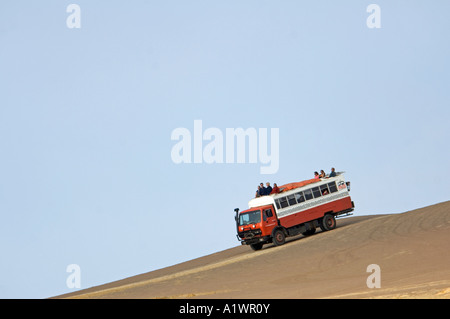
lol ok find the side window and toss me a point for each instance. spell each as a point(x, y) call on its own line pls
point(316, 192)
point(277, 203)
point(267, 213)
point(308, 194)
point(324, 190)
point(332, 187)
point(291, 200)
point(283, 202)
point(299, 197)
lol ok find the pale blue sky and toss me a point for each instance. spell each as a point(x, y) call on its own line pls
point(86, 115)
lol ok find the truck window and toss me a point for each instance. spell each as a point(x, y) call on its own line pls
point(277, 203)
point(248, 218)
point(316, 192)
point(332, 187)
point(267, 213)
point(283, 202)
point(324, 190)
point(308, 194)
point(299, 197)
point(291, 200)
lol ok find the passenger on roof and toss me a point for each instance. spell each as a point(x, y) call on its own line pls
point(257, 192)
point(275, 189)
point(268, 188)
point(262, 190)
point(333, 173)
point(322, 174)
point(316, 175)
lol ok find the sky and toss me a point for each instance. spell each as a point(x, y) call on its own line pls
point(90, 100)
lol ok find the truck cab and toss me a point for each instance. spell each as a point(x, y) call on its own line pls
point(255, 225)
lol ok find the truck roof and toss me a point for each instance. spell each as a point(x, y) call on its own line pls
point(294, 185)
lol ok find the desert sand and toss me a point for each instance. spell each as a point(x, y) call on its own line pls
point(412, 250)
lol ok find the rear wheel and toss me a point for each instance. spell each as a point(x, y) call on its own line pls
point(328, 222)
point(278, 237)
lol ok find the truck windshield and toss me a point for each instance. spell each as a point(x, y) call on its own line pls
point(248, 218)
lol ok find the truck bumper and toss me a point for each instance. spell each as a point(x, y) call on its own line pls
point(254, 240)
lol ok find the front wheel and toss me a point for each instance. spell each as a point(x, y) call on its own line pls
point(257, 246)
point(279, 237)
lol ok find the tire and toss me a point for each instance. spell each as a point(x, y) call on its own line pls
point(257, 246)
point(328, 222)
point(278, 237)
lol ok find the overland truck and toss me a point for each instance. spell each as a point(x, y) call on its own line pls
point(299, 208)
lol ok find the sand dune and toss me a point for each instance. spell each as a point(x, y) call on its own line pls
point(411, 249)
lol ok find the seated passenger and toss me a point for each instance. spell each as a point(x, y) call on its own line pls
point(333, 173)
point(316, 175)
point(275, 189)
point(268, 188)
point(257, 192)
point(262, 190)
point(322, 174)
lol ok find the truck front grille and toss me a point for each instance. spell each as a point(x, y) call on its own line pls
point(249, 234)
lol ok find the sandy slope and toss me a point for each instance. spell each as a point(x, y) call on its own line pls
point(412, 250)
